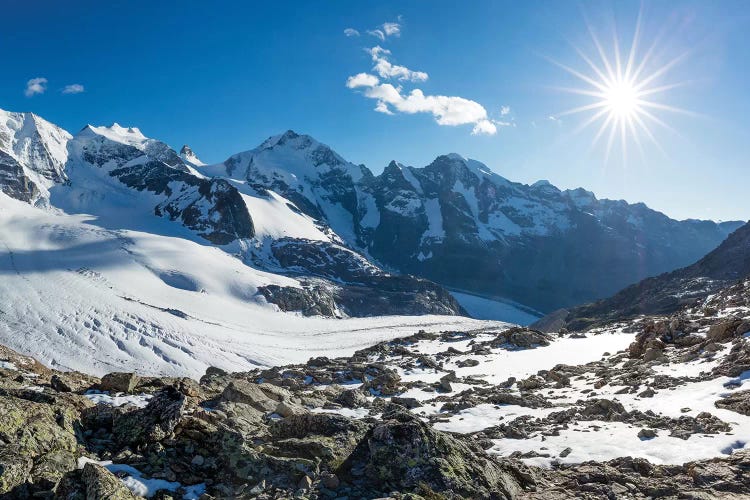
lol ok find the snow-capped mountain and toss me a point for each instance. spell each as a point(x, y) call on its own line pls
point(460, 224)
point(190, 157)
point(33, 154)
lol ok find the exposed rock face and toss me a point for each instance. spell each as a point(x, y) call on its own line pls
point(15, 182)
point(666, 293)
point(356, 287)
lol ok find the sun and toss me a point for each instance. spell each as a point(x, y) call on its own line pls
point(621, 99)
point(622, 91)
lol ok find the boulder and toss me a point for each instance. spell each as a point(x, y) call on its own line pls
point(722, 331)
point(103, 485)
point(150, 424)
point(738, 402)
point(404, 453)
point(352, 398)
point(119, 382)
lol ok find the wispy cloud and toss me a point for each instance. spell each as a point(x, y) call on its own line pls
point(35, 86)
point(386, 69)
point(504, 110)
point(386, 30)
point(351, 32)
point(392, 29)
point(74, 88)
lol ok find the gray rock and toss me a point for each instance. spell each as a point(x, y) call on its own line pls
point(119, 382)
point(101, 484)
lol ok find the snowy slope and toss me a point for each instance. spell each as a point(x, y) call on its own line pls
point(484, 308)
point(80, 296)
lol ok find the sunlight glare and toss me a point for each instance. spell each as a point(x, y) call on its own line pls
point(621, 92)
point(621, 99)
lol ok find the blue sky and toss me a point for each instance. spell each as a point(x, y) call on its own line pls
point(223, 77)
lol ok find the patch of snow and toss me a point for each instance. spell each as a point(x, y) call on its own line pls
point(7, 365)
point(119, 399)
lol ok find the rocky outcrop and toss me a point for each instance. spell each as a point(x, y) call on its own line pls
point(341, 282)
point(666, 293)
point(211, 207)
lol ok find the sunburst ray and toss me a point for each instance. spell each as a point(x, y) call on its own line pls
point(623, 90)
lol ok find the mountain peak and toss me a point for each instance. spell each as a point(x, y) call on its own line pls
point(131, 136)
point(187, 154)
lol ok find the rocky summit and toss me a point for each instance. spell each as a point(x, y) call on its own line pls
point(651, 407)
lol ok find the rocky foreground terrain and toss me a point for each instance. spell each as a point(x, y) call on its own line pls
point(653, 407)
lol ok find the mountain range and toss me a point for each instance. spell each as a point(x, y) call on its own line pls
point(352, 242)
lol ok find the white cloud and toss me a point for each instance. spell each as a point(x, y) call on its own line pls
point(484, 127)
point(382, 107)
point(386, 69)
point(447, 110)
point(35, 86)
point(377, 34)
point(504, 110)
point(351, 32)
point(362, 80)
point(392, 29)
point(74, 88)
point(385, 30)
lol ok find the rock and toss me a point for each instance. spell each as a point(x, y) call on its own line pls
point(647, 434)
point(409, 403)
point(324, 437)
point(15, 469)
point(386, 383)
point(241, 391)
point(403, 452)
point(153, 423)
point(119, 382)
point(533, 382)
point(445, 383)
point(213, 371)
point(101, 484)
point(648, 393)
point(353, 398)
point(467, 363)
point(59, 384)
point(565, 452)
point(198, 460)
point(305, 483)
point(652, 354)
point(738, 402)
point(330, 481)
point(722, 331)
